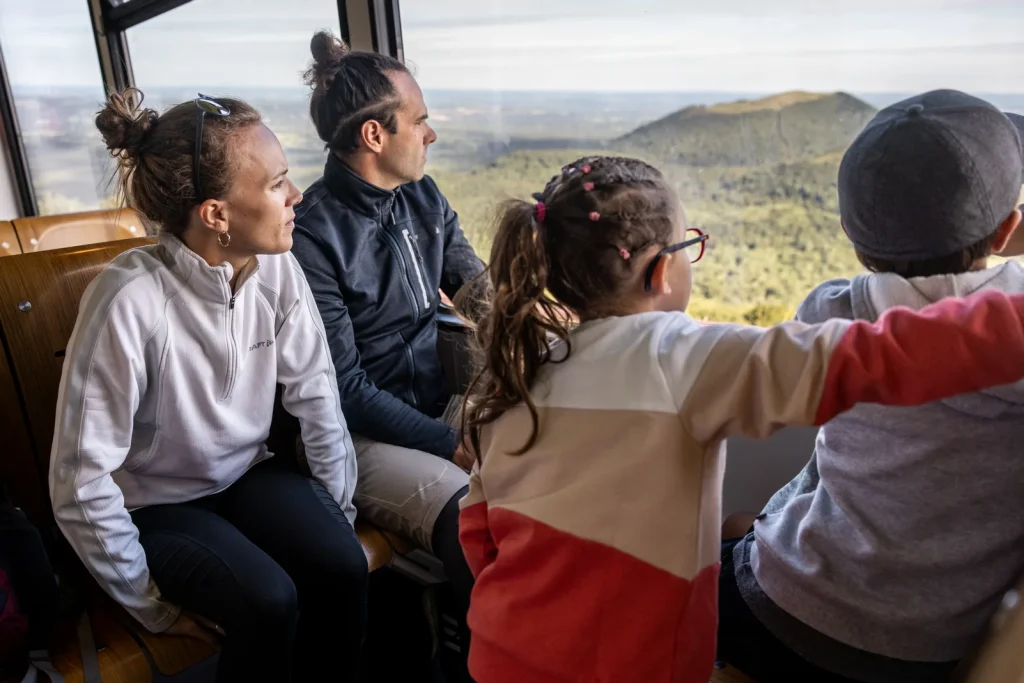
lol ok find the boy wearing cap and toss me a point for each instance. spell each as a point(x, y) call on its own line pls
point(884, 560)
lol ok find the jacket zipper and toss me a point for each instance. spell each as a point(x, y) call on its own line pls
point(412, 379)
point(397, 251)
point(393, 243)
point(229, 384)
point(414, 255)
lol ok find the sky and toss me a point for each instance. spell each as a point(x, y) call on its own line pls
point(873, 46)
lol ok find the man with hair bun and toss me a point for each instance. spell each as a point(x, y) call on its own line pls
point(377, 241)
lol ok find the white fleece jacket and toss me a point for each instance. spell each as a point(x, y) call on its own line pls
point(167, 395)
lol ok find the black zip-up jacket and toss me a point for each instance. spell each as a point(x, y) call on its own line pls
point(375, 260)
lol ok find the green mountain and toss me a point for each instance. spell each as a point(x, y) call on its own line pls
point(780, 128)
point(758, 176)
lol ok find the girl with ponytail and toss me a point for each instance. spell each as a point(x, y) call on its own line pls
point(592, 522)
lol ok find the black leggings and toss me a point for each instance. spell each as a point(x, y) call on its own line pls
point(446, 547)
point(273, 561)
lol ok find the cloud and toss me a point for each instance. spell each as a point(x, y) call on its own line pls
point(604, 45)
point(878, 46)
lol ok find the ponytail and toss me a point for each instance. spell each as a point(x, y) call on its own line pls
point(516, 334)
point(563, 259)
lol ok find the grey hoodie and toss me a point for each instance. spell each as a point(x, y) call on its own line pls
point(167, 396)
point(906, 527)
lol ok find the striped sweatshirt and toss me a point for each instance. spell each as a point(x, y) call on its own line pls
point(596, 552)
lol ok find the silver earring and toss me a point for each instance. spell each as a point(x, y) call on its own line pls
point(225, 243)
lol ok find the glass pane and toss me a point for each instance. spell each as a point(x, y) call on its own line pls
point(252, 49)
point(746, 106)
point(55, 76)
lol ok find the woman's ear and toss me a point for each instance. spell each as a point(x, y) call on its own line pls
point(1010, 240)
point(213, 213)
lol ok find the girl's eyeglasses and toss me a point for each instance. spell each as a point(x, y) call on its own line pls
point(204, 105)
point(693, 244)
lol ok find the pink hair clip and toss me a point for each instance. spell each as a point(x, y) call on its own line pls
point(595, 216)
point(587, 187)
point(624, 253)
point(541, 211)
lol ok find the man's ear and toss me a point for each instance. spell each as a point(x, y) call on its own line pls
point(372, 135)
point(1010, 240)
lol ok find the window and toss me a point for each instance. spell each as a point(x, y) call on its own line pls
point(746, 106)
point(52, 65)
point(252, 49)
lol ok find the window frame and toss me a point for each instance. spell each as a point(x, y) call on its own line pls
point(386, 25)
point(24, 191)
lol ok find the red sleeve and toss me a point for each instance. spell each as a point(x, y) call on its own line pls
point(955, 346)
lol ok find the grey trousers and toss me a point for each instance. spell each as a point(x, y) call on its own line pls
point(404, 490)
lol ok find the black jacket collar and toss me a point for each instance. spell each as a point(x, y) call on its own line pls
point(349, 188)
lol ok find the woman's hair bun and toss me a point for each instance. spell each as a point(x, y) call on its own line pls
point(124, 124)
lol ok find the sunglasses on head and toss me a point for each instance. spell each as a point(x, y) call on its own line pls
point(204, 105)
point(694, 245)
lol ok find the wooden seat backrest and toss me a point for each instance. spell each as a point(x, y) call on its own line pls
point(17, 459)
point(9, 244)
point(43, 233)
point(1001, 658)
point(453, 347)
point(39, 297)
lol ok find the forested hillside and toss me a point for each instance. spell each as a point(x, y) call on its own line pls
point(759, 176)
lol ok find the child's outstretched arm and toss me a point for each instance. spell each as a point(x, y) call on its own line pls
point(474, 533)
point(729, 379)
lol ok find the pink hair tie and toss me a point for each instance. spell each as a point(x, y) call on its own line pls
point(587, 187)
point(595, 216)
point(541, 212)
point(624, 254)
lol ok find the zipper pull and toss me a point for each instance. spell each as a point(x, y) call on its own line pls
point(393, 223)
point(231, 304)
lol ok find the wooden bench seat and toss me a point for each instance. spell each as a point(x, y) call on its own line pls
point(9, 244)
point(730, 675)
point(1001, 658)
point(121, 659)
point(43, 233)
